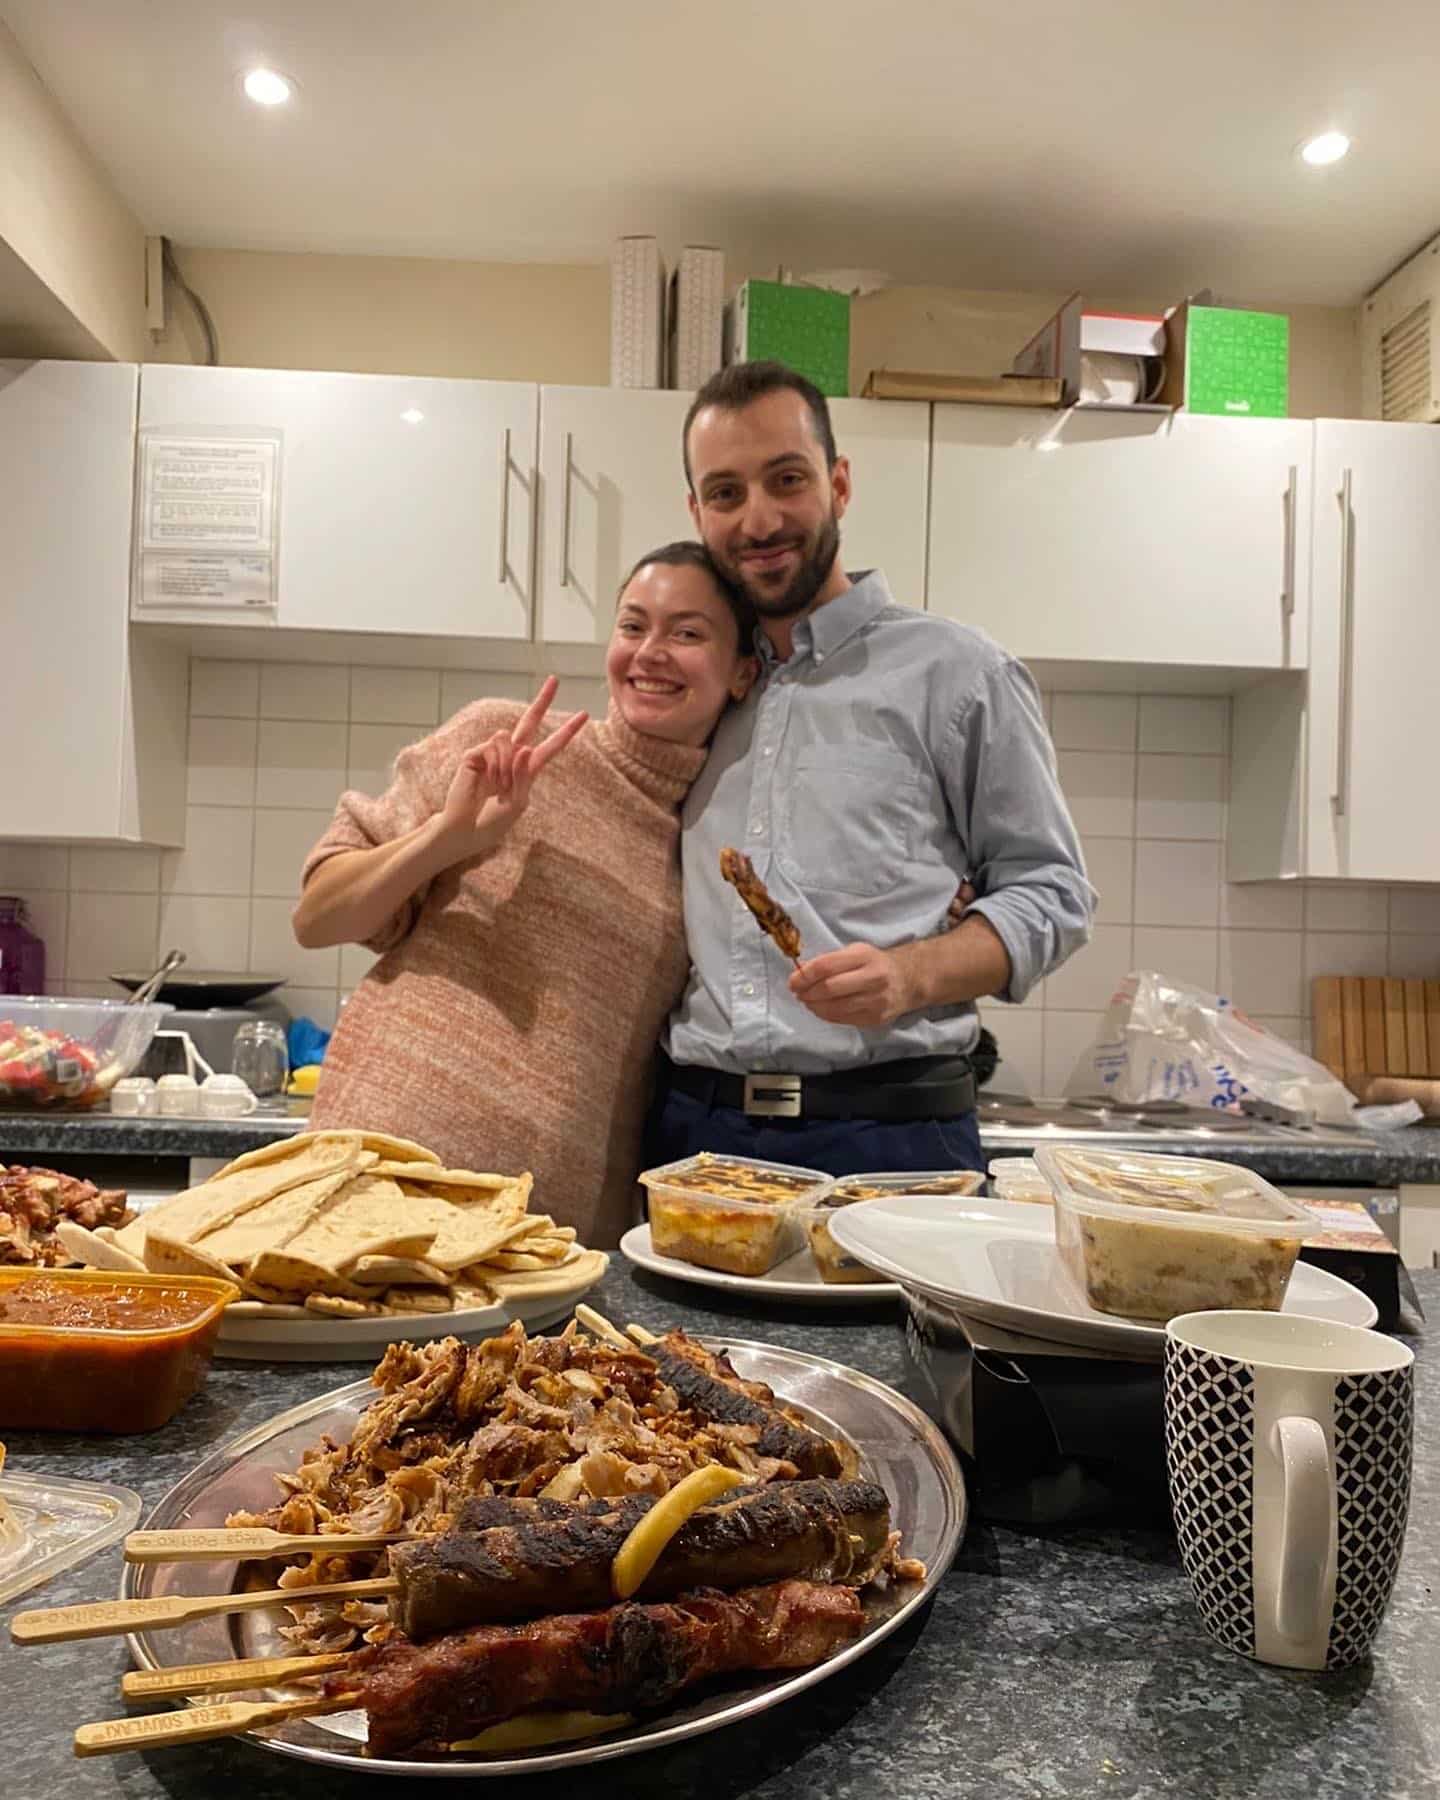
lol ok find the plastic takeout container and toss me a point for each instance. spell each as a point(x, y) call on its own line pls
point(1148, 1237)
point(1019, 1178)
point(49, 1523)
point(838, 1265)
point(69, 1052)
point(123, 1353)
point(733, 1213)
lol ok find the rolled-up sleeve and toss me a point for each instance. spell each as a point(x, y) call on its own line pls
point(418, 785)
point(1026, 865)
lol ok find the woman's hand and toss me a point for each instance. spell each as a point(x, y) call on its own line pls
point(490, 789)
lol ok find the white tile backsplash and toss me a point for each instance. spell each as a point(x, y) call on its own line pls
point(1180, 797)
point(395, 696)
point(272, 746)
point(1176, 883)
point(301, 763)
point(224, 690)
point(305, 691)
point(1094, 722)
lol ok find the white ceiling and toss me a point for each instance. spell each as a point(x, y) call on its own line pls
point(1102, 144)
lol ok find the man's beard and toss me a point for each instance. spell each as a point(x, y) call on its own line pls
point(810, 576)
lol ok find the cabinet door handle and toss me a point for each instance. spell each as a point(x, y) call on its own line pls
point(505, 506)
point(1287, 590)
point(565, 513)
point(1340, 798)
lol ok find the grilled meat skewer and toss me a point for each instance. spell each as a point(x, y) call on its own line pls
point(710, 1386)
point(516, 1559)
point(767, 912)
point(629, 1658)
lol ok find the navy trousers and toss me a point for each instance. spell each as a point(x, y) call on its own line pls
point(682, 1126)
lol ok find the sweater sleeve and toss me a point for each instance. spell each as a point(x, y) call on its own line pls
point(419, 783)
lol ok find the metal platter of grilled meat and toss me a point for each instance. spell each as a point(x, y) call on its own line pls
point(899, 1447)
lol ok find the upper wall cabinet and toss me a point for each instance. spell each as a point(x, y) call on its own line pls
point(1331, 783)
point(613, 487)
point(1123, 538)
point(406, 504)
point(94, 713)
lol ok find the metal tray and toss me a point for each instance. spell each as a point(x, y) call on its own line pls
point(898, 1445)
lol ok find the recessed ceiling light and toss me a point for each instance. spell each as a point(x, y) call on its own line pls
point(268, 88)
point(412, 415)
point(1328, 147)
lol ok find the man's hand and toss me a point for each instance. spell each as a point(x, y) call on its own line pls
point(959, 906)
point(858, 985)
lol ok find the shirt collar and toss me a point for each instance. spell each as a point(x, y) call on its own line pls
point(825, 630)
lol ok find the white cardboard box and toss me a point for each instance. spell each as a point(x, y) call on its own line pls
point(697, 316)
point(637, 314)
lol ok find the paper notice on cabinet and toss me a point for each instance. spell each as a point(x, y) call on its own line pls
point(208, 526)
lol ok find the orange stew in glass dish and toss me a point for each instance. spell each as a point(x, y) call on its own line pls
point(88, 1350)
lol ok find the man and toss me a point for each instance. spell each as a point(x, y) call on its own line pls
point(884, 756)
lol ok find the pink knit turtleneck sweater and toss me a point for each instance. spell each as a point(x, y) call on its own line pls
point(511, 1019)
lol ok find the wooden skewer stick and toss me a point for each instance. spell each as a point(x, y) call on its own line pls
point(602, 1328)
point(107, 1618)
point(246, 1542)
point(194, 1724)
point(226, 1677)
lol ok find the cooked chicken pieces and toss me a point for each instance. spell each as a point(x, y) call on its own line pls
point(771, 917)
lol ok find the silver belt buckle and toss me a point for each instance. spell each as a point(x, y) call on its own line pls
point(772, 1096)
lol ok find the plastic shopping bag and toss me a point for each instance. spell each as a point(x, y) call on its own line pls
point(1161, 1040)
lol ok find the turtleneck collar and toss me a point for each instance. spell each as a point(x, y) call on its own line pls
point(659, 768)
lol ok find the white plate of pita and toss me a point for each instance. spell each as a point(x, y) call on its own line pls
point(796, 1280)
point(344, 1241)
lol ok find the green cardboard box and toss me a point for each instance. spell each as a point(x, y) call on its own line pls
point(806, 328)
point(1221, 359)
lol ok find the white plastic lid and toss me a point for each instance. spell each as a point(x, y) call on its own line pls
point(49, 1524)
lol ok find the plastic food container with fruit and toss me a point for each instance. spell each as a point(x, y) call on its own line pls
point(92, 1350)
point(733, 1213)
point(1149, 1237)
point(69, 1052)
point(838, 1265)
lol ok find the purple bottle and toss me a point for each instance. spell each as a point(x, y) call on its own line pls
point(22, 954)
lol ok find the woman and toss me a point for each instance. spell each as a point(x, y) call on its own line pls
point(524, 890)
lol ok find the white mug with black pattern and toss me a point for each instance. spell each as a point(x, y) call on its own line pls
point(1288, 1445)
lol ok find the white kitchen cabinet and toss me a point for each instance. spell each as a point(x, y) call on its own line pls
point(1123, 538)
point(95, 713)
point(613, 487)
point(406, 503)
point(1329, 780)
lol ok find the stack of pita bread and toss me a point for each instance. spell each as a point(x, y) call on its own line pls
point(353, 1224)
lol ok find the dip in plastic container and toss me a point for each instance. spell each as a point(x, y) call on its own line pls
point(734, 1213)
point(837, 1265)
point(92, 1350)
point(1148, 1237)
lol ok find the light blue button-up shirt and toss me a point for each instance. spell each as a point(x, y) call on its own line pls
point(894, 753)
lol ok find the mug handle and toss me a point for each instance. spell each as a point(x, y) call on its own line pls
point(1306, 1525)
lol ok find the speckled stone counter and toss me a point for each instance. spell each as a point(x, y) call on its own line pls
point(26, 1136)
point(1051, 1663)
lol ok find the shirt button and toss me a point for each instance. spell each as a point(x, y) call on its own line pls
point(818, 658)
point(755, 830)
point(767, 752)
point(749, 987)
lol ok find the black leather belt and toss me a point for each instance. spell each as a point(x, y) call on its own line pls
point(916, 1087)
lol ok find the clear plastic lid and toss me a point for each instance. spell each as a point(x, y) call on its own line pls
point(1173, 1189)
point(738, 1180)
point(880, 1185)
point(1018, 1175)
point(49, 1523)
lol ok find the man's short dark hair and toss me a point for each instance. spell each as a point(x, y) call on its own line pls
point(685, 553)
point(742, 383)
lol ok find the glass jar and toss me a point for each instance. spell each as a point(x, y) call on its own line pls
point(260, 1058)
point(22, 954)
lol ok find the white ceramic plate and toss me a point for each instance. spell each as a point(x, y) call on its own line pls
point(997, 1259)
point(318, 1339)
point(795, 1279)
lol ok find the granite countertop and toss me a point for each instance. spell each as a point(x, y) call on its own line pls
point(1052, 1662)
point(1385, 1160)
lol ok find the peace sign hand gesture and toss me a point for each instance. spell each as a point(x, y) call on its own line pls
point(491, 788)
